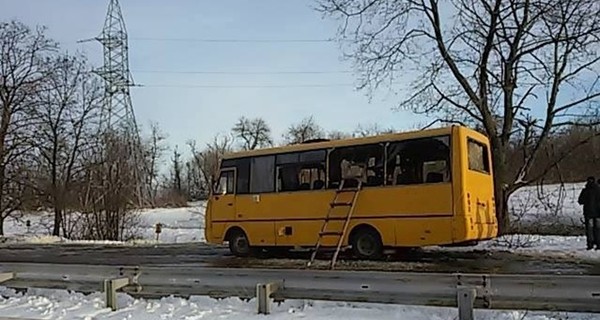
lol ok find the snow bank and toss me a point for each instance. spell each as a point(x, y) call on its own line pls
point(58, 304)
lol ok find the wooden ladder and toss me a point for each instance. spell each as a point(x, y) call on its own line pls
point(325, 232)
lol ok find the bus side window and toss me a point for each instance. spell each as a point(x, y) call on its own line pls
point(478, 156)
point(301, 170)
point(226, 183)
point(425, 160)
point(363, 162)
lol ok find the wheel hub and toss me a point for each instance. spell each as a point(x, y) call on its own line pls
point(365, 246)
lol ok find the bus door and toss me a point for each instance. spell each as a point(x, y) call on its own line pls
point(223, 204)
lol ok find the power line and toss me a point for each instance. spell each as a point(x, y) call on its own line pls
point(217, 40)
point(246, 86)
point(244, 72)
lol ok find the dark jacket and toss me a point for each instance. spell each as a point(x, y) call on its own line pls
point(590, 199)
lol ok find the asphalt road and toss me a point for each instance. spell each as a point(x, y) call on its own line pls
point(202, 255)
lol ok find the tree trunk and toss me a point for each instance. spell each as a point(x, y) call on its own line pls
point(502, 213)
point(2, 199)
point(57, 220)
point(500, 178)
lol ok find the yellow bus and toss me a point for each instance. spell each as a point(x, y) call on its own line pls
point(421, 188)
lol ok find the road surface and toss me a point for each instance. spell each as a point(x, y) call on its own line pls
point(203, 255)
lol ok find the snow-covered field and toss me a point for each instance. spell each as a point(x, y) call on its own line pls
point(178, 225)
point(548, 208)
point(58, 304)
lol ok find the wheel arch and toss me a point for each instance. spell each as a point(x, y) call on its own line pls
point(362, 227)
point(231, 230)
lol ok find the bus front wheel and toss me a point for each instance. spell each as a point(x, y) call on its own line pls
point(366, 244)
point(239, 244)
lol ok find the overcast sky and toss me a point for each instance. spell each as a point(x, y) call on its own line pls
point(158, 30)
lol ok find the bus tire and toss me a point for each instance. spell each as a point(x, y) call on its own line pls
point(366, 243)
point(239, 245)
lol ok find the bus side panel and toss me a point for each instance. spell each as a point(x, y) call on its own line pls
point(300, 216)
point(415, 232)
point(260, 233)
point(476, 219)
point(480, 207)
point(403, 232)
point(419, 200)
point(404, 215)
point(218, 232)
point(409, 215)
point(208, 230)
point(214, 231)
point(253, 214)
point(460, 222)
point(384, 226)
point(303, 232)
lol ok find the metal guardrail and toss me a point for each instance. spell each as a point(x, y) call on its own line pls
point(495, 291)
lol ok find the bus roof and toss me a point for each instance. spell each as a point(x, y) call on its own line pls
point(342, 142)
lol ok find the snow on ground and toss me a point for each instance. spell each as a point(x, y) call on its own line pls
point(178, 225)
point(59, 304)
point(535, 245)
point(550, 204)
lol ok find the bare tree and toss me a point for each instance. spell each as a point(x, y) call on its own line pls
point(155, 148)
point(518, 70)
point(338, 135)
point(254, 133)
point(22, 52)
point(176, 172)
point(306, 130)
point(67, 118)
point(111, 195)
point(196, 186)
point(370, 130)
point(207, 161)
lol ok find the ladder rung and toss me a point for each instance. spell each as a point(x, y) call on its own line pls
point(340, 204)
point(347, 190)
point(330, 233)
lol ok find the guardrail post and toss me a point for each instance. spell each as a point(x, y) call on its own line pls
point(263, 296)
point(128, 276)
point(110, 291)
point(466, 298)
point(5, 276)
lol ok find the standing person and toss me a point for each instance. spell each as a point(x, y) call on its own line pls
point(590, 199)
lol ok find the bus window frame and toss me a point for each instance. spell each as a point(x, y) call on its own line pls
point(381, 144)
point(449, 165)
point(327, 162)
point(218, 185)
point(273, 174)
point(278, 166)
point(485, 157)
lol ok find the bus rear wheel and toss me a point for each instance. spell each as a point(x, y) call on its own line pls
point(366, 244)
point(239, 244)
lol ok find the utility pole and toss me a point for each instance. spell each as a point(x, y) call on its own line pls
point(117, 119)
